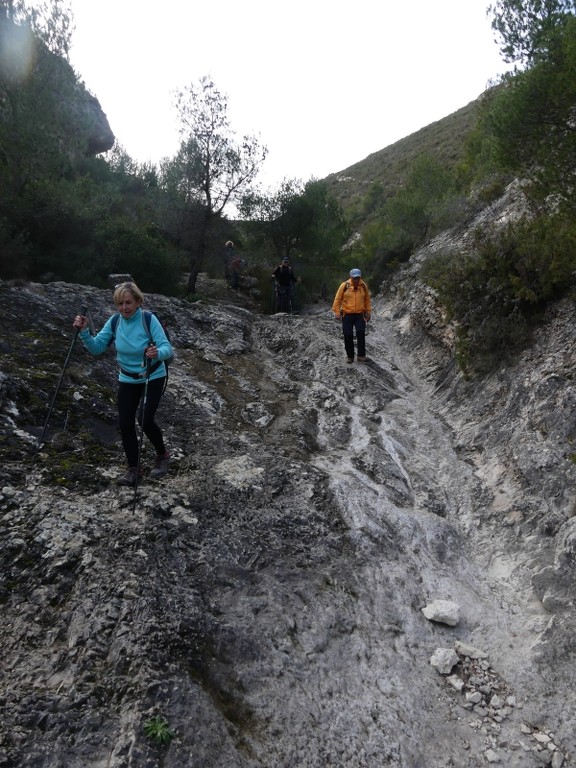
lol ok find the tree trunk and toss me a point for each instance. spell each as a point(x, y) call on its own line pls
point(192, 277)
point(197, 255)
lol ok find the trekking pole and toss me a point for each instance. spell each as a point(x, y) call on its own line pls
point(83, 311)
point(142, 413)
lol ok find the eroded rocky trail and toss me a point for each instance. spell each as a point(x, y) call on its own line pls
point(266, 597)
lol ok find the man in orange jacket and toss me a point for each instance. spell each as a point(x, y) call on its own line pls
point(352, 306)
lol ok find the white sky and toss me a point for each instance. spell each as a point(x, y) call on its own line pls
point(322, 83)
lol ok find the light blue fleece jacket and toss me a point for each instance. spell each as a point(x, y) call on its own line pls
point(131, 341)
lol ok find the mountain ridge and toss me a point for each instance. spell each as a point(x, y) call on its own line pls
point(442, 139)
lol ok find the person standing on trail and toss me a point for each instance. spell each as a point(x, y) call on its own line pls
point(236, 267)
point(229, 256)
point(135, 345)
point(352, 306)
point(284, 281)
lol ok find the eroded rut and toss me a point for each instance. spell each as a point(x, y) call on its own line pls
point(266, 597)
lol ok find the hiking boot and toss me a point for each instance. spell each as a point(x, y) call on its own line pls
point(132, 475)
point(160, 466)
point(361, 358)
point(350, 360)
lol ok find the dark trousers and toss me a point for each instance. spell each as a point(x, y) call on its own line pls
point(128, 400)
point(349, 322)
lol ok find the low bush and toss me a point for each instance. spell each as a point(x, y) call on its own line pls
point(497, 291)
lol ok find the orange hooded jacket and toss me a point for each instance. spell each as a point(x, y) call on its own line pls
point(350, 300)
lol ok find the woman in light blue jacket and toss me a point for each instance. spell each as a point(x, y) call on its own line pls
point(135, 345)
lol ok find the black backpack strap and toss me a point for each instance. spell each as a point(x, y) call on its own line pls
point(147, 322)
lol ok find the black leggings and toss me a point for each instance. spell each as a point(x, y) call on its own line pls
point(128, 400)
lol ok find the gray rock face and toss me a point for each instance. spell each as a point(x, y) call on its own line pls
point(265, 597)
point(25, 59)
point(88, 113)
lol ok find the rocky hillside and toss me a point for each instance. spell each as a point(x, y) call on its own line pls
point(444, 140)
point(347, 565)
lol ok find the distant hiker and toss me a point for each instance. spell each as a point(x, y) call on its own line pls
point(135, 344)
point(236, 267)
point(284, 281)
point(352, 306)
point(229, 256)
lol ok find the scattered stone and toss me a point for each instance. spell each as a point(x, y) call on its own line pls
point(492, 756)
point(475, 697)
point(444, 659)
point(469, 650)
point(456, 682)
point(443, 611)
point(540, 737)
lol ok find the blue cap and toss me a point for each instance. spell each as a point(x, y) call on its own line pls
point(355, 273)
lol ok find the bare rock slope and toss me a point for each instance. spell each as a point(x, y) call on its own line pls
point(266, 598)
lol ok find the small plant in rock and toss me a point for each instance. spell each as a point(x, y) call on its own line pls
point(157, 730)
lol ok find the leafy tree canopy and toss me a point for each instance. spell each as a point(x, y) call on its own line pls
point(297, 217)
point(531, 117)
point(526, 28)
point(50, 21)
point(212, 168)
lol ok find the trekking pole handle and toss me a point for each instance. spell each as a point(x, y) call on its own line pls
point(147, 361)
point(82, 312)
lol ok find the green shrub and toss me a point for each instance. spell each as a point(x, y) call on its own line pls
point(498, 291)
point(157, 730)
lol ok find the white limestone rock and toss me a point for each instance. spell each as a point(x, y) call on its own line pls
point(456, 682)
point(469, 650)
point(443, 611)
point(444, 660)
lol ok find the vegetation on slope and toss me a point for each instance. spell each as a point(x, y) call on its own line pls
point(497, 292)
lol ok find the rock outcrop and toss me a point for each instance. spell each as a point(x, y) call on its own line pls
point(50, 91)
point(265, 600)
point(88, 115)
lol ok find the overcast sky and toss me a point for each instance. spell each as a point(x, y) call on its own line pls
point(322, 83)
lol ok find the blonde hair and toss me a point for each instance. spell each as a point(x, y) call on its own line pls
point(131, 288)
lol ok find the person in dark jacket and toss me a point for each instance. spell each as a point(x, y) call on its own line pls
point(284, 281)
point(228, 256)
